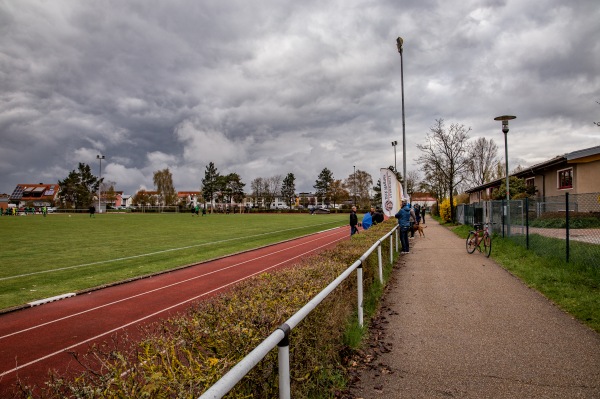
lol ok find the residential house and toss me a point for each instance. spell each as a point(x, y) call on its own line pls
point(189, 198)
point(37, 195)
point(576, 172)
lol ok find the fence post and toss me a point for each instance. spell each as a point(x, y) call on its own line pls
point(503, 215)
point(527, 222)
point(397, 238)
point(283, 359)
point(359, 276)
point(567, 222)
point(380, 263)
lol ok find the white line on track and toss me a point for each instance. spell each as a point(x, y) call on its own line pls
point(157, 312)
point(155, 253)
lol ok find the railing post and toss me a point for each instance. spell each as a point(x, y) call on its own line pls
point(391, 250)
point(397, 238)
point(283, 359)
point(359, 276)
point(527, 222)
point(380, 263)
point(567, 222)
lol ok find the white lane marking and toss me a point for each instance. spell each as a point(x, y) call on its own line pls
point(156, 313)
point(160, 288)
point(154, 253)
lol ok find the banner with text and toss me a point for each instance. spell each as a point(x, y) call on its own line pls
point(391, 192)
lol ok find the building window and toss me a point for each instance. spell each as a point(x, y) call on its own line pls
point(530, 182)
point(565, 178)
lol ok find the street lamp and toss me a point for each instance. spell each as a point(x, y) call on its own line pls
point(394, 144)
point(399, 42)
point(505, 119)
point(100, 158)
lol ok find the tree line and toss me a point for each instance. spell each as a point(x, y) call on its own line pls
point(80, 188)
point(449, 161)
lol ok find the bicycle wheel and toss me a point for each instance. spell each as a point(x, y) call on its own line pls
point(487, 245)
point(471, 242)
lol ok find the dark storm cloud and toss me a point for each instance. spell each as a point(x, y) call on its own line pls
point(281, 86)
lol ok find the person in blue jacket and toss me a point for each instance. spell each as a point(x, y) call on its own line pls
point(403, 217)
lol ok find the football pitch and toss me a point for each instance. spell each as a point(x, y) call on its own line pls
point(41, 257)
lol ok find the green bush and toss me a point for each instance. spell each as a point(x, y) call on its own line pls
point(577, 220)
point(183, 356)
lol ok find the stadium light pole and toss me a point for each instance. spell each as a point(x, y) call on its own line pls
point(354, 185)
point(399, 43)
point(394, 144)
point(100, 158)
point(505, 119)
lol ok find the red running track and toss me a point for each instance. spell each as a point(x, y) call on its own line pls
point(36, 340)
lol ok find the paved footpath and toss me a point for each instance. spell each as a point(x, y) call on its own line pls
point(455, 325)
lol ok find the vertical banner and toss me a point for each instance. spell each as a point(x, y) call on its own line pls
point(391, 192)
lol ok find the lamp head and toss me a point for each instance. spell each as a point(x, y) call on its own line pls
point(395, 143)
point(399, 43)
point(504, 119)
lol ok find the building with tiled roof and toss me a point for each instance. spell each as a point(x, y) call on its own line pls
point(34, 194)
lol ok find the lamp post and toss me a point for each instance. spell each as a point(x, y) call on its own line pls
point(100, 158)
point(399, 43)
point(505, 119)
point(394, 144)
point(354, 185)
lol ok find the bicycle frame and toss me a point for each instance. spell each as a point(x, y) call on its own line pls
point(477, 237)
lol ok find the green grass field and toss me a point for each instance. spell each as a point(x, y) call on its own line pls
point(43, 257)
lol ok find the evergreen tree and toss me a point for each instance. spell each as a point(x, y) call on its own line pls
point(210, 183)
point(79, 187)
point(288, 188)
point(322, 185)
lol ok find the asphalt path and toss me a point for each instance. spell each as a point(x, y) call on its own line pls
point(38, 339)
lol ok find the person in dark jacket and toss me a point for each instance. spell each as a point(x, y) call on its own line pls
point(403, 217)
point(378, 216)
point(353, 221)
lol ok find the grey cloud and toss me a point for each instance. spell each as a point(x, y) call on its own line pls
point(282, 86)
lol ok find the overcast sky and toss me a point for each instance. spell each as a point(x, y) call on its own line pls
point(276, 86)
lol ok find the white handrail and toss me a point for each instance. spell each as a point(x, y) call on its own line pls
point(280, 337)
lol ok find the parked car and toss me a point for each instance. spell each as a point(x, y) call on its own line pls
point(51, 209)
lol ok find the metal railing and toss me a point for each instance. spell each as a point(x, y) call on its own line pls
point(280, 337)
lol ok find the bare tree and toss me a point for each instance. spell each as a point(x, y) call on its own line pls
point(272, 188)
point(258, 189)
point(412, 181)
point(163, 181)
point(483, 160)
point(338, 192)
point(360, 186)
point(446, 155)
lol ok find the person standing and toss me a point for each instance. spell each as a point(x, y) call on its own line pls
point(423, 214)
point(92, 211)
point(403, 217)
point(353, 222)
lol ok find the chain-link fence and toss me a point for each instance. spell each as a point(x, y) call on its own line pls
point(565, 227)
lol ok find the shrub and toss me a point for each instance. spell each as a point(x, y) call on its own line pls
point(445, 210)
point(558, 220)
point(183, 356)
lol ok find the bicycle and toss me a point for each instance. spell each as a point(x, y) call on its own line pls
point(479, 236)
